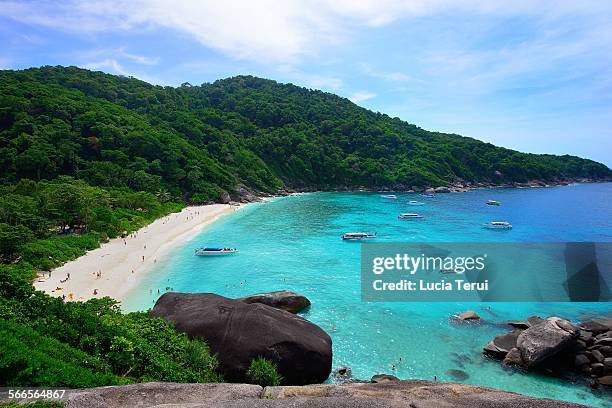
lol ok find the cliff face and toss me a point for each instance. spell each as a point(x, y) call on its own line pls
point(390, 394)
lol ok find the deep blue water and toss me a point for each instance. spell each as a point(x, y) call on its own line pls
point(294, 243)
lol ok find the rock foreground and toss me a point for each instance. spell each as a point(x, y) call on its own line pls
point(559, 346)
point(240, 332)
point(390, 394)
point(283, 299)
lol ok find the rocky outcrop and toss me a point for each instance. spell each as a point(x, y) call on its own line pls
point(468, 315)
point(545, 339)
point(388, 394)
point(381, 378)
point(245, 195)
point(225, 198)
point(558, 346)
point(239, 332)
point(283, 299)
point(502, 344)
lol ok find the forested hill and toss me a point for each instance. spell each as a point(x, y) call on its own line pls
point(195, 142)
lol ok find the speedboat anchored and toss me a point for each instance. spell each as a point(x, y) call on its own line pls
point(354, 236)
point(214, 251)
point(410, 215)
point(503, 225)
point(414, 202)
point(389, 196)
point(428, 195)
point(493, 202)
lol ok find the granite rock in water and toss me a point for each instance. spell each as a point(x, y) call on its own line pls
point(283, 299)
point(381, 378)
point(468, 315)
point(502, 344)
point(239, 332)
point(513, 358)
point(546, 339)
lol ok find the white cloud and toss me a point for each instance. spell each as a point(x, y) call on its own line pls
point(139, 59)
point(393, 76)
point(264, 30)
point(361, 96)
point(107, 64)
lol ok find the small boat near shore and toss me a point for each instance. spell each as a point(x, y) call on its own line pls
point(493, 202)
point(428, 195)
point(215, 251)
point(389, 196)
point(410, 216)
point(414, 202)
point(501, 225)
point(355, 236)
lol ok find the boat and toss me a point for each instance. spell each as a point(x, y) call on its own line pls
point(414, 202)
point(428, 195)
point(499, 225)
point(353, 236)
point(410, 215)
point(389, 196)
point(215, 251)
point(493, 202)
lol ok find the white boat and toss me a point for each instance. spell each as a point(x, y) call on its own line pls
point(352, 236)
point(389, 196)
point(410, 215)
point(493, 202)
point(499, 225)
point(427, 195)
point(214, 251)
point(414, 202)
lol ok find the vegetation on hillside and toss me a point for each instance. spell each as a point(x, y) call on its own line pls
point(45, 341)
point(197, 141)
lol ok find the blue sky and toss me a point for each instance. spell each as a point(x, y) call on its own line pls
point(530, 75)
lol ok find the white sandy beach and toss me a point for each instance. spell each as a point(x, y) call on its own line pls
point(120, 262)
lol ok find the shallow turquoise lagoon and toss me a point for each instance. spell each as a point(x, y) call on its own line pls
point(294, 243)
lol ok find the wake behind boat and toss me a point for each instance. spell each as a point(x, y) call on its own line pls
point(215, 251)
point(354, 236)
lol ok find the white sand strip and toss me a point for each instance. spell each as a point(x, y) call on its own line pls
point(120, 262)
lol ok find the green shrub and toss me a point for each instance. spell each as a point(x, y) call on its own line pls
point(263, 372)
point(30, 359)
point(33, 404)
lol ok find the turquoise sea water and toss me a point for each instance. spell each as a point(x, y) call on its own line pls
point(294, 243)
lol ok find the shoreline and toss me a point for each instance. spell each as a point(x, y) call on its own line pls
point(451, 188)
point(117, 266)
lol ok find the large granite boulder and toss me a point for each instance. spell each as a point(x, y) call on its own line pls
point(283, 299)
point(239, 332)
point(502, 344)
point(546, 339)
